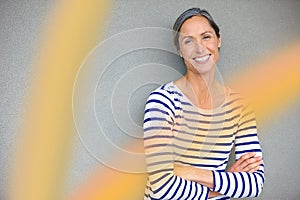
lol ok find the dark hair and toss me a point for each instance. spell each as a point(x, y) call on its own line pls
point(191, 13)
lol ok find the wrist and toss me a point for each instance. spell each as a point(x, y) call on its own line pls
point(204, 177)
point(201, 176)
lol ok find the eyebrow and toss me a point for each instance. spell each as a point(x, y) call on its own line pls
point(188, 36)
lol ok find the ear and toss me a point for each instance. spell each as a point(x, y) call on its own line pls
point(219, 41)
point(179, 53)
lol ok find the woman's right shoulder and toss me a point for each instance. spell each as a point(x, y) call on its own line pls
point(167, 90)
point(164, 98)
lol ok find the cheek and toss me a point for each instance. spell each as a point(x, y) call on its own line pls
point(216, 55)
point(213, 48)
point(186, 52)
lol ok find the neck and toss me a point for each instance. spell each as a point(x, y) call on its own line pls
point(204, 89)
point(203, 84)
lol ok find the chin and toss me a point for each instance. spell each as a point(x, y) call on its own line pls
point(204, 68)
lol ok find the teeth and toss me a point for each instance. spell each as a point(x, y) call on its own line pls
point(202, 59)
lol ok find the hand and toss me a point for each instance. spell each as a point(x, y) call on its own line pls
point(246, 163)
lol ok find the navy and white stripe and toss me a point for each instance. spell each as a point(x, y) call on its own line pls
point(175, 131)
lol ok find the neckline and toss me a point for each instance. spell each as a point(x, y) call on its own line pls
point(221, 106)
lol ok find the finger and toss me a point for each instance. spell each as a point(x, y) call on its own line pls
point(248, 155)
point(250, 162)
point(244, 157)
point(253, 164)
point(254, 170)
point(237, 165)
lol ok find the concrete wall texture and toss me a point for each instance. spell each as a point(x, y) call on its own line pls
point(250, 30)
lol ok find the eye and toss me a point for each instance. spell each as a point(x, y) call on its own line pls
point(187, 41)
point(206, 37)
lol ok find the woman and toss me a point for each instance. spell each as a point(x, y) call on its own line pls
point(192, 124)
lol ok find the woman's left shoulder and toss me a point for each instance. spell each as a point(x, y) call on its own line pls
point(236, 98)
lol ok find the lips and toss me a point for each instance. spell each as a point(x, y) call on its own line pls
point(202, 59)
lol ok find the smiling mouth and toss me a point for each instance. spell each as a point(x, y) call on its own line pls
point(202, 59)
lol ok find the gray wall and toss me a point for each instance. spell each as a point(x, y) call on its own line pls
point(21, 23)
point(250, 30)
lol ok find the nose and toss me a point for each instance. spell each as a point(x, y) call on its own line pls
point(199, 47)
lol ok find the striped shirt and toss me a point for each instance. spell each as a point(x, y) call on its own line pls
point(177, 132)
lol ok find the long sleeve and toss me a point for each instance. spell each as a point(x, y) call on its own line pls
point(160, 116)
point(242, 184)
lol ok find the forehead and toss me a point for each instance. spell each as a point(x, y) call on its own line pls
point(195, 25)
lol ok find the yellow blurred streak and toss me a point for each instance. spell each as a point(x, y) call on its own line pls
point(110, 184)
point(42, 154)
point(272, 83)
point(107, 183)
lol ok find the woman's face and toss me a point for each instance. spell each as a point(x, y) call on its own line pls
point(199, 45)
